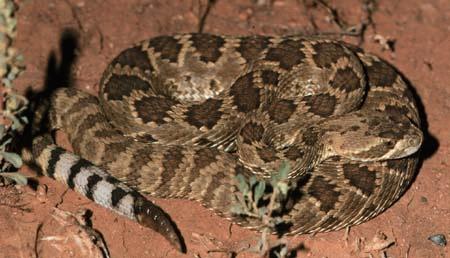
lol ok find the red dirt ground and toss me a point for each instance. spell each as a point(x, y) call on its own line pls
point(421, 32)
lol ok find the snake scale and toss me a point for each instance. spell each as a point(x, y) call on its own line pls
point(180, 116)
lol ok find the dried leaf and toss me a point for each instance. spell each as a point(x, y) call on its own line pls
point(379, 242)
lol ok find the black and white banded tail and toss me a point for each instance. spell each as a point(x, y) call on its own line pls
point(97, 185)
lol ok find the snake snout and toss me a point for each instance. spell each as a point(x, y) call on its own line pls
point(409, 145)
point(413, 143)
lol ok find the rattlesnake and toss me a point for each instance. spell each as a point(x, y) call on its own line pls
point(180, 116)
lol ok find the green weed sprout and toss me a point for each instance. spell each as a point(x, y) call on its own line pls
point(264, 200)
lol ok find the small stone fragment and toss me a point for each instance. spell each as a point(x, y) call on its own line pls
point(438, 239)
point(41, 193)
point(423, 199)
point(379, 242)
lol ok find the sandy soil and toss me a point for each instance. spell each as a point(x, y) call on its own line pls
point(421, 32)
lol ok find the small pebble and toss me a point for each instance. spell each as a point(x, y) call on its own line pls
point(423, 199)
point(41, 193)
point(80, 4)
point(438, 239)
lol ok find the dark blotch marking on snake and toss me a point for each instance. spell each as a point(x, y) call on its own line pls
point(252, 133)
point(90, 121)
point(83, 103)
point(171, 161)
point(208, 46)
point(346, 79)
point(205, 114)
point(245, 95)
point(115, 147)
point(294, 153)
point(288, 53)
point(396, 113)
point(153, 108)
point(360, 177)
point(203, 158)
point(120, 86)
point(381, 74)
point(134, 57)
point(321, 104)
point(282, 110)
point(390, 133)
point(214, 85)
point(267, 154)
point(167, 46)
point(397, 165)
point(327, 53)
point(270, 77)
point(141, 158)
point(324, 192)
point(310, 137)
point(112, 148)
point(251, 47)
point(146, 138)
point(353, 48)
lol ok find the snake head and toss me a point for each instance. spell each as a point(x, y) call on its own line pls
point(371, 137)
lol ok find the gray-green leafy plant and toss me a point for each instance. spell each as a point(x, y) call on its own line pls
point(13, 105)
point(264, 200)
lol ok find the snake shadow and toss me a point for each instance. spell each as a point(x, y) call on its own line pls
point(57, 75)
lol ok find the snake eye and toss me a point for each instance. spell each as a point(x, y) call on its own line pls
point(390, 143)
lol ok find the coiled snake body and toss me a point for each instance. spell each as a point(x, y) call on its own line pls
point(180, 116)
